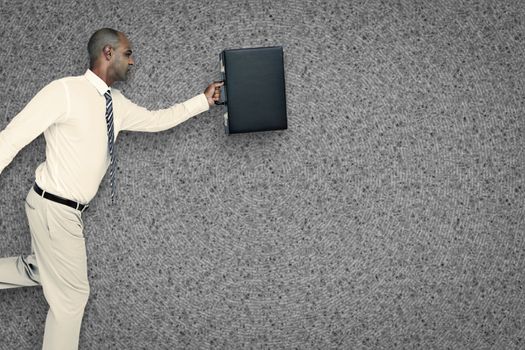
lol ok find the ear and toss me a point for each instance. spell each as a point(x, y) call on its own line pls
point(107, 52)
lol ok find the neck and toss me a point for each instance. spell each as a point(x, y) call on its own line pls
point(103, 74)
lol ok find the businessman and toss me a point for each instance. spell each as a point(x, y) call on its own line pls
point(80, 117)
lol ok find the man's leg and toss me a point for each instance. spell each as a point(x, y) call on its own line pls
point(19, 271)
point(60, 253)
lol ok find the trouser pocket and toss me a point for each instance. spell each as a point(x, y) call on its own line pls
point(64, 222)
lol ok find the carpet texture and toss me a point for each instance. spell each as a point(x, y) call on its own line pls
point(390, 215)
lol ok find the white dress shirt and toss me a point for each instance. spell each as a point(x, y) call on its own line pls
point(71, 114)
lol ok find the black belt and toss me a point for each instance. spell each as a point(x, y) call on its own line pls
point(60, 200)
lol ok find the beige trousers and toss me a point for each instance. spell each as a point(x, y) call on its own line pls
point(58, 264)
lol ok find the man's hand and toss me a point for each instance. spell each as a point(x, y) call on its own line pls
point(213, 92)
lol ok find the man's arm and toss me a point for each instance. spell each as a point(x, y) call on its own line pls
point(136, 118)
point(48, 106)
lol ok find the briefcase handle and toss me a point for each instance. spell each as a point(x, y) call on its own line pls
point(222, 100)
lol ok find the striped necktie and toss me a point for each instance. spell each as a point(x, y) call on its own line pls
point(111, 145)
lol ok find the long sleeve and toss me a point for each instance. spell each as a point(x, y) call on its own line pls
point(136, 118)
point(47, 107)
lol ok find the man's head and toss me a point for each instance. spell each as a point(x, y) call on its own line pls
point(110, 53)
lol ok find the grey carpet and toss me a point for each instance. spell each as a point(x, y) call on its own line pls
point(390, 215)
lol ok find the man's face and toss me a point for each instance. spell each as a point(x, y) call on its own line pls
point(121, 59)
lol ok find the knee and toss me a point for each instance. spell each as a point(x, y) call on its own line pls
point(82, 297)
point(70, 303)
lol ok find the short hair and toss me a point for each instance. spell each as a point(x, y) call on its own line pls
point(99, 39)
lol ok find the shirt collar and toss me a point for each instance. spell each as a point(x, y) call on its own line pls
point(98, 83)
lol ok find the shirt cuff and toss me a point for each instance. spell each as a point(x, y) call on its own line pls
point(197, 105)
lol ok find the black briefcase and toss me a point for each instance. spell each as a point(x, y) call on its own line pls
point(254, 89)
